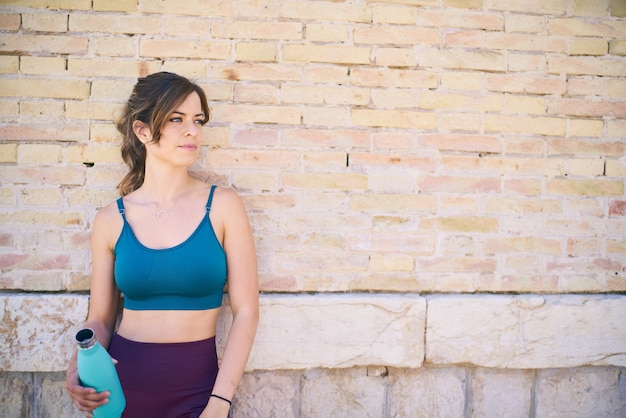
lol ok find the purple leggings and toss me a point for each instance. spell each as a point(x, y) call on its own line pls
point(166, 380)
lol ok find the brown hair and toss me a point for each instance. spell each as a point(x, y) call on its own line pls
point(153, 99)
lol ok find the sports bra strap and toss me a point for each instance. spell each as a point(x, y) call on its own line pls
point(120, 207)
point(208, 204)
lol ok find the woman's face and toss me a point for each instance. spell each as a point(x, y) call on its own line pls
point(181, 134)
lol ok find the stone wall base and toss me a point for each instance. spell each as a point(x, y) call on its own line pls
point(376, 392)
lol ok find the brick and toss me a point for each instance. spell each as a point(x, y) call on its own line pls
point(521, 165)
point(9, 65)
point(460, 122)
point(459, 80)
point(461, 224)
point(393, 118)
point(43, 65)
point(465, 39)
point(325, 74)
point(392, 141)
point(111, 67)
point(40, 154)
point(257, 94)
point(461, 19)
point(326, 11)
point(392, 182)
point(534, 125)
point(586, 86)
point(8, 153)
point(319, 138)
point(224, 158)
point(325, 116)
point(41, 197)
point(524, 23)
point(91, 110)
point(535, 245)
point(263, 72)
point(396, 57)
point(94, 154)
point(456, 184)
point(585, 187)
point(395, 35)
point(319, 32)
point(615, 168)
point(43, 44)
point(325, 95)
point(615, 128)
point(326, 54)
point(114, 5)
point(392, 262)
point(617, 47)
point(393, 78)
point(575, 147)
point(465, 4)
point(44, 22)
point(194, 70)
point(517, 206)
point(392, 203)
point(53, 4)
point(111, 89)
point(581, 107)
point(58, 89)
point(257, 114)
point(526, 84)
point(394, 98)
point(111, 46)
point(587, 27)
point(451, 264)
point(585, 127)
point(258, 52)
point(10, 22)
point(617, 8)
point(250, 30)
point(39, 132)
point(552, 7)
point(460, 59)
point(165, 48)
point(585, 167)
point(213, 8)
point(529, 187)
point(392, 14)
point(527, 62)
point(589, 46)
point(525, 105)
point(583, 246)
point(325, 181)
point(524, 42)
point(185, 27)
point(586, 66)
point(34, 220)
point(590, 9)
point(54, 175)
point(435, 100)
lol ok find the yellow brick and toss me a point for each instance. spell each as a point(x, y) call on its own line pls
point(585, 187)
point(257, 51)
point(185, 27)
point(524, 23)
point(213, 8)
point(51, 4)
point(111, 46)
point(193, 70)
point(8, 153)
point(263, 72)
point(524, 42)
point(615, 168)
point(588, 27)
point(589, 46)
point(44, 22)
point(40, 154)
point(231, 158)
point(9, 109)
point(9, 64)
point(326, 74)
point(437, 17)
point(585, 127)
point(46, 220)
point(580, 147)
point(465, 4)
point(461, 80)
point(396, 57)
point(394, 14)
point(249, 114)
point(94, 154)
point(587, 8)
point(111, 89)
point(460, 121)
point(617, 47)
point(257, 94)
point(393, 118)
point(618, 8)
point(535, 245)
point(529, 187)
point(115, 5)
point(371, 77)
point(520, 207)
point(528, 84)
point(327, 54)
point(525, 105)
point(396, 35)
point(551, 7)
point(42, 109)
point(456, 264)
point(91, 110)
point(58, 89)
point(326, 181)
point(526, 62)
point(44, 44)
point(585, 86)
point(522, 165)
point(115, 23)
point(87, 196)
point(104, 132)
point(326, 11)
point(44, 131)
point(163, 48)
point(535, 125)
point(256, 181)
point(41, 197)
point(111, 68)
point(325, 95)
point(380, 202)
point(585, 167)
point(325, 116)
point(392, 262)
point(616, 128)
point(43, 65)
point(394, 98)
point(434, 100)
point(460, 59)
point(319, 32)
point(257, 30)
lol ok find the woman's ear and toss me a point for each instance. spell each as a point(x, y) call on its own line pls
point(142, 131)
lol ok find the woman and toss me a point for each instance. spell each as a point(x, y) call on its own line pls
point(169, 244)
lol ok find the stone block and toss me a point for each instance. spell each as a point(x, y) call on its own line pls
point(526, 331)
point(306, 331)
point(38, 331)
point(16, 394)
point(268, 394)
point(501, 393)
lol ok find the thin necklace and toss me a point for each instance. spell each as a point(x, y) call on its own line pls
point(164, 214)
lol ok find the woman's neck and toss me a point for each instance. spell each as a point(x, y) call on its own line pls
point(165, 187)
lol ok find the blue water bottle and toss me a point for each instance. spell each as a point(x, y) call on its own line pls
point(96, 370)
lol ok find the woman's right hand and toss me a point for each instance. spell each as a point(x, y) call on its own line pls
point(85, 399)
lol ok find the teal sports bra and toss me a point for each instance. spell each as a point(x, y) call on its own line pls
point(188, 276)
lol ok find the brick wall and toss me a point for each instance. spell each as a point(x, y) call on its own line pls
point(436, 189)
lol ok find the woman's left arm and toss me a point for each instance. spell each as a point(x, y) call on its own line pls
point(243, 293)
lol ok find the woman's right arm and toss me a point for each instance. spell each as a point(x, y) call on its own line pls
point(103, 302)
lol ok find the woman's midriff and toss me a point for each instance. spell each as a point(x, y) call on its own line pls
point(168, 326)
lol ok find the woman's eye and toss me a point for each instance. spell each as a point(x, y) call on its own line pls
point(176, 120)
point(200, 121)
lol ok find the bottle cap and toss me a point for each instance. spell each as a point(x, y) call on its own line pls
point(85, 338)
